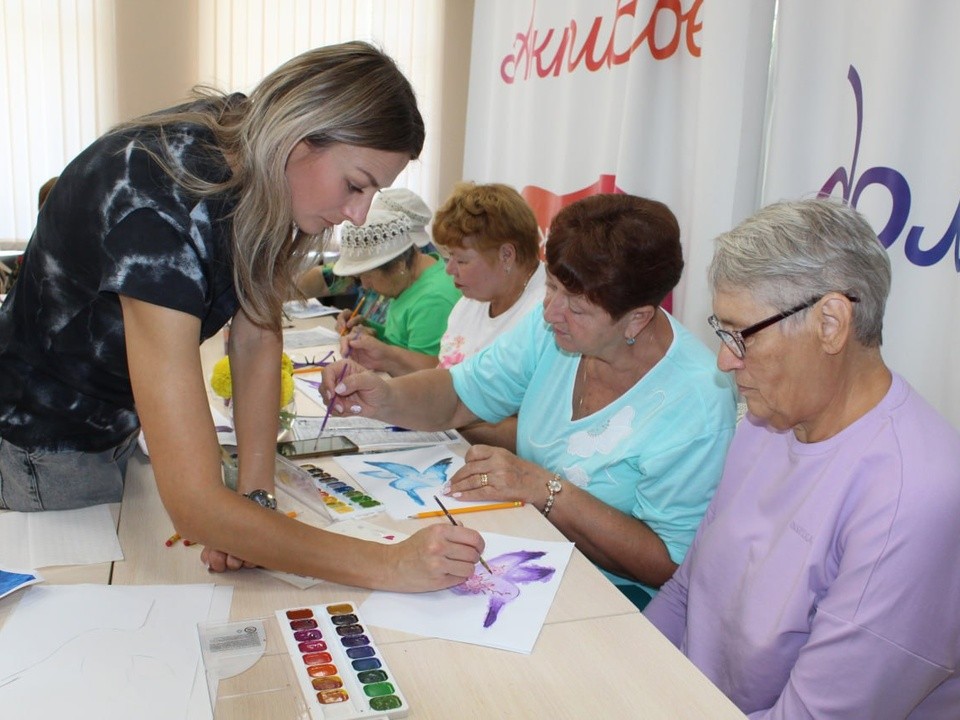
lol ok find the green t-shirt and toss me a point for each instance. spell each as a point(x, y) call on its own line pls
point(417, 317)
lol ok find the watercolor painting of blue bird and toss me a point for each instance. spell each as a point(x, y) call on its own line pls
point(408, 479)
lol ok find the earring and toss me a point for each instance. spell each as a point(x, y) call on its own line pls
point(631, 341)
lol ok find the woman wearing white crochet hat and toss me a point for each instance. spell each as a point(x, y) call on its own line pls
point(384, 254)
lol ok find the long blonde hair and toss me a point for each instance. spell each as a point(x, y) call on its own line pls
point(350, 93)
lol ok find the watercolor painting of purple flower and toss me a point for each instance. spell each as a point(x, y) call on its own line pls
point(509, 571)
point(315, 384)
point(408, 479)
point(313, 361)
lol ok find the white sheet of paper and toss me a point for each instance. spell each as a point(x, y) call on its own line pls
point(406, 481)
point(59, 537)
point(310, 309)
point(109, 651)
point(314, 337)
point(354, 528)
point(309, 385)
point(223, 424)
point(526, 575)
point(368, 434)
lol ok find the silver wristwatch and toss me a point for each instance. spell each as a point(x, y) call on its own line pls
point(263, 498)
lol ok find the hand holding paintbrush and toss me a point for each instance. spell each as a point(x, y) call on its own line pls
point(345, 352)
point(451, 519)
point(333, 397)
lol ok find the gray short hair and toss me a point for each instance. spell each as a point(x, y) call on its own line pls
point(790, 252)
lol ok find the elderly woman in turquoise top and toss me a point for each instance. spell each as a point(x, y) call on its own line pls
point(624, 419)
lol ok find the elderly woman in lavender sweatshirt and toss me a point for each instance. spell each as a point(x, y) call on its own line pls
point(824, 580)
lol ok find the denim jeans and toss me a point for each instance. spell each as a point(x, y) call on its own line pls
point(41, 480)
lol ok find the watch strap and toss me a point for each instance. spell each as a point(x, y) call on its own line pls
point(262, 498)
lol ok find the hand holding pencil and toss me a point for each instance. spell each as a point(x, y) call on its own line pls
point(347, 319)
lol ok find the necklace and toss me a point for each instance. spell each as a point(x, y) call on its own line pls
point(582, 372)
point(516, 298)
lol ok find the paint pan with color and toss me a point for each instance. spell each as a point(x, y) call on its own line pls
point(340, 670)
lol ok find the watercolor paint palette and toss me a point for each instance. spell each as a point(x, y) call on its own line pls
point(341, 673)
point(323, 491)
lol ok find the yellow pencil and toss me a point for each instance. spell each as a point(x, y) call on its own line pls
point(469, 509)
point(346, 327)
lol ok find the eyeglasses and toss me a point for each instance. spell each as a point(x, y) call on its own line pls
point(733, 339)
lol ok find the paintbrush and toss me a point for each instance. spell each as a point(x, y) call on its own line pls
point(343, 371)
point(450, 518)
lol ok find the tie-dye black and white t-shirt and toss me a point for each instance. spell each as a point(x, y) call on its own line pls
point(114, 224)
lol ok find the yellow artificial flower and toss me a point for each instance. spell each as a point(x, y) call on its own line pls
point(286, 388)
point(222, 382)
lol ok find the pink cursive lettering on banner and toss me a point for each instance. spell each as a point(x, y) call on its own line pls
point(551, 51)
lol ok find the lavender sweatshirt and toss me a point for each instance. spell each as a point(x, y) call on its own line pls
point(824, 580)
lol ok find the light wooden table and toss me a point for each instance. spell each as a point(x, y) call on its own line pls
point(596, 657)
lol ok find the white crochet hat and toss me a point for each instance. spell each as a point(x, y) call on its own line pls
point(397, 219)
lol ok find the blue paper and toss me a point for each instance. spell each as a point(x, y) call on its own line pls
point(11, 581)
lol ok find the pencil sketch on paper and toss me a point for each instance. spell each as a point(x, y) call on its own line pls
point(408, 479)
point(509, 571)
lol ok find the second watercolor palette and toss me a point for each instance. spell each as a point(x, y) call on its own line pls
point(341, 672)
point(324, 492)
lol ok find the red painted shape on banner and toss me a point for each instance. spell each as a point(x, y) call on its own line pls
point(547, 204)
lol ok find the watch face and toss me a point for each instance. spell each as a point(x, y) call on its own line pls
point(262, 497)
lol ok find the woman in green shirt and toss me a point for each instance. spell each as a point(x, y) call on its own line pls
point(386, 257)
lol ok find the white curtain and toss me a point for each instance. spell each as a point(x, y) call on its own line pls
point(246, 39)
point(56, 94)
point(58, 74)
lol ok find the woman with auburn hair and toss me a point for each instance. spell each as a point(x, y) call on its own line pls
point(151, 240)
point(490, 240)
point(623, 419)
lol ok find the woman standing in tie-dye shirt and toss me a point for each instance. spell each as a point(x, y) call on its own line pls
point(151, 240)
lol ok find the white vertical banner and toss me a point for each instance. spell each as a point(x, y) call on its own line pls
point(660, 98)
point(864, 106)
